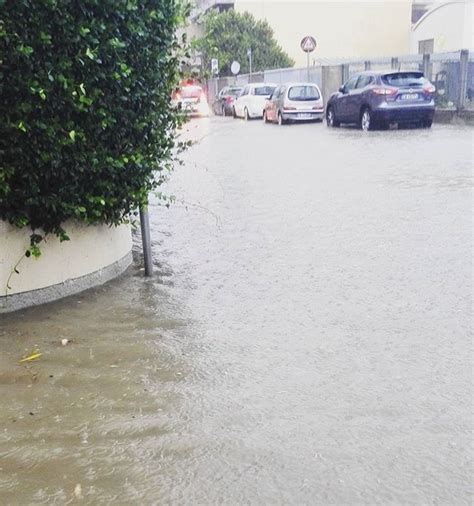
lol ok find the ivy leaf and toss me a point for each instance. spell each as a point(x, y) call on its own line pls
point(72, 135)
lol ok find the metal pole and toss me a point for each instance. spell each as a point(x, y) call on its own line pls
point(146, 240)
point(307, 65)
point(426, 66)
point(463, 67)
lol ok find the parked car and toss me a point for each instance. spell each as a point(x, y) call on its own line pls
point(251, 101)
point(191, 99)
point(224, 103)
point(376, 99)
point(294, 102)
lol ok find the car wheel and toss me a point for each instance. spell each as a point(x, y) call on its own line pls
point(331, 118)
point(427, 123)
point(246, 114)
point(265, 119)
point(366, 122)
point(223, 112)
point(281, 120)
point(234, 114)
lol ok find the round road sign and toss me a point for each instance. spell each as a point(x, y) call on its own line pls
point(308, 44)
point(235, 67)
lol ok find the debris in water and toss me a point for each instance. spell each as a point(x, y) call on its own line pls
point(32, 356)
point(78, 491)
point(64, 342)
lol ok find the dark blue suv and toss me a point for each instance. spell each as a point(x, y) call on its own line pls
point(376, 99)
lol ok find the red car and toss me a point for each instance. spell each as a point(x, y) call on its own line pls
point(191, 99)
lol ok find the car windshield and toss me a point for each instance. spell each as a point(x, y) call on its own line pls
point(261, 91)
point(303, 93)
point(233, 92)
point(402, 79)
point(191, 92)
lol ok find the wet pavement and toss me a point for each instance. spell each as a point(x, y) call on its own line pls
point(306, 338)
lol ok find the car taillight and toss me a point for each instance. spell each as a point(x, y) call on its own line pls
point(228, 100)
point(385, 91)
point(428, 89)
point(289, 108)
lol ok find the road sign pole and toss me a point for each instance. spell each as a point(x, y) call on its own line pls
point(235, 69)
point(308, 45)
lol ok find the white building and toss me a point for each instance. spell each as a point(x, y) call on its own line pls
point(445, 26)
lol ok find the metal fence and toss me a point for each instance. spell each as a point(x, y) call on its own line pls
point(452, 73)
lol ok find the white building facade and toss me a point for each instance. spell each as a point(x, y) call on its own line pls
point(446, 26)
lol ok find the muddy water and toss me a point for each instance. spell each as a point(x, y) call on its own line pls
point(305, 338)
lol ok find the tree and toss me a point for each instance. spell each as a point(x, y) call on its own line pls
point(87, 130)
point(229, 34)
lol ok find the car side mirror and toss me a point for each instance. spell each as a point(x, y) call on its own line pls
point(342, 90)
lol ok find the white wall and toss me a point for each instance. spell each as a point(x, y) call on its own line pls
point(450, 25)
point(90, 249)
point(342, 28)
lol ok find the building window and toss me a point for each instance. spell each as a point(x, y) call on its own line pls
point(426, 46)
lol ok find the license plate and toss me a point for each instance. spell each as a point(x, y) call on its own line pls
point(409, 96)
point(305, 116)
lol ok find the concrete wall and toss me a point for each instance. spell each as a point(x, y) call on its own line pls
point(450, 25)
point(348, 29)
point(332, 79)
point(94, 255)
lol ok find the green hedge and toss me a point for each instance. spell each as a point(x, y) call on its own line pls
point(86, 121)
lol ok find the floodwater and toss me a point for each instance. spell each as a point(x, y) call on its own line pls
point(306, 337)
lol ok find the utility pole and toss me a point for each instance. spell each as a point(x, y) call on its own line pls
point(249, 54)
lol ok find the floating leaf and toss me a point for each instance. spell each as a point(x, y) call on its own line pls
point(34, 355)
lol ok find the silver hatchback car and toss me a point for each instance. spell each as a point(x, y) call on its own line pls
point(294, 102)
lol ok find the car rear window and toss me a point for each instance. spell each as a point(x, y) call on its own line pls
point(401, 79)
point(303, 93)
point(191, 92)
point(234, 92)
point(264, 90)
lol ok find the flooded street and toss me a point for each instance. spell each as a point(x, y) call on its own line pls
point(306, 337)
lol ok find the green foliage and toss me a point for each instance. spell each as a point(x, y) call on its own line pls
point(229, 34)
point(86, 129)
